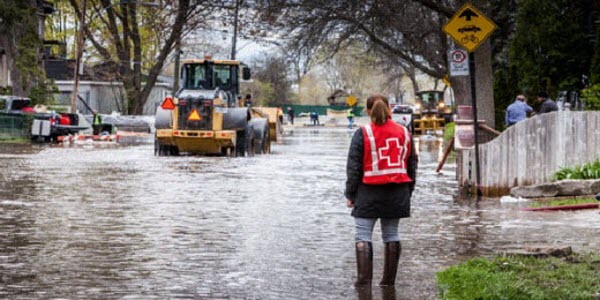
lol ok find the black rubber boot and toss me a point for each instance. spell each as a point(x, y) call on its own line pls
point(364, 264)
point(390, 263)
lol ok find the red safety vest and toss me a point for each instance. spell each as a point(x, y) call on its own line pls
point(386, 151)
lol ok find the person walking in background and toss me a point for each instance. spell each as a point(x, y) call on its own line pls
point(548, 105)
point(350, 116)
point(290, 112)
point(517, 111)
point(381, 172)
point(97, 124)
point(314, 117)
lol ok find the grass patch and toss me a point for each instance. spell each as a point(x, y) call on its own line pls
point(517, 277)
point(560, 202)
point(14, 140)
point(587, 171)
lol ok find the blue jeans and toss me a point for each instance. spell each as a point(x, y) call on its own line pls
point(364, 229)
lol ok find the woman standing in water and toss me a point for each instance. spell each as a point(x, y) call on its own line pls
point(381, 170)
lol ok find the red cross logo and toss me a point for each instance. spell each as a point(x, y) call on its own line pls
point(392, 146)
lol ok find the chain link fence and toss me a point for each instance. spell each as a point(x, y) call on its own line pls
point(15, 127)
point(319, 109)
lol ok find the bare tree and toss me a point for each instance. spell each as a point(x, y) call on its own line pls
point(116, 36)
point(405, 32)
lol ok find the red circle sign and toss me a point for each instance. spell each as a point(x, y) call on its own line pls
point(458, 56)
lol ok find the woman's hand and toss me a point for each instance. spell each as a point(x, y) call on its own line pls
point(349, 203)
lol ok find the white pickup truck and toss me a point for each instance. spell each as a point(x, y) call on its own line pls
point(402, 114)
point(46, 126)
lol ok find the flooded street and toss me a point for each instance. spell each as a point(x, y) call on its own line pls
point(119, 223)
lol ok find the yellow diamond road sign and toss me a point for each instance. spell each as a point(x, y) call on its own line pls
point(469, 27)
point(351, 100)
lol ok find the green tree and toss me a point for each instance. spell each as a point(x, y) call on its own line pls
point(551, 48)
point(595, 67)
point(21, 42)
point(274, 71)
point(506, 85)
point(592, 97)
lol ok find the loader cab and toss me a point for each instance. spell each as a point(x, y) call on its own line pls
point(208, 74)
point(430, 101)
point(432, 104)
point(207, 86)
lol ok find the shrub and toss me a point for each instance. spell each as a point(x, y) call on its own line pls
point(592, 97)
point(587, 171)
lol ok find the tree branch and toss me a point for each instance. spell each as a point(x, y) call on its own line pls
point(436, 7)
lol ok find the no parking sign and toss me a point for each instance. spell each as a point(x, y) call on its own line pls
point(459, 62)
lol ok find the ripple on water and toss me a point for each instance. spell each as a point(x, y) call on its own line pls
point(119, 223)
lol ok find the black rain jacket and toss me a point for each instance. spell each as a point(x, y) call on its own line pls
point(377, 201)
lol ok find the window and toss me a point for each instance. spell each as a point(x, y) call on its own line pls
point(2, 104)
point(18, 104)
point(222, 76)
point(195, 77)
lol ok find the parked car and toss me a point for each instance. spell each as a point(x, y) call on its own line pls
point(402, 114)
point(15, 105)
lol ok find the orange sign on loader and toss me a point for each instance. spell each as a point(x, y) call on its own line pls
point(168, 104)
point(194, 115)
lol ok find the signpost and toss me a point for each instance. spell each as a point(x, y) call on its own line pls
point(351, 100)
point(470, 28)
point(459, 62)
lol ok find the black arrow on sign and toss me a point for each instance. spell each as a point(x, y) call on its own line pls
point(468, 14)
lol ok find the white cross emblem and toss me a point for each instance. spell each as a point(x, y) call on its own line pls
point(388, 143)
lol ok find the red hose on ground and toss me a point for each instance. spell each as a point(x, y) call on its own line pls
point(562, 207)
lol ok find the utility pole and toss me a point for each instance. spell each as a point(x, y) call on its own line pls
point(78, 56)
point(236, 11)
point(177, 65)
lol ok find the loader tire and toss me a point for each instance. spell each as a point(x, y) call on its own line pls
point(165, 150)
point(267, 143)
point(245, 142)
point(261, 135)
point(173, 151)
point(250, 142)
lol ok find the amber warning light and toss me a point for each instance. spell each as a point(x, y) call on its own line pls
point(168, 104)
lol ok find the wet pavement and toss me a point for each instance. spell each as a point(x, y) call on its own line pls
point(87, 222)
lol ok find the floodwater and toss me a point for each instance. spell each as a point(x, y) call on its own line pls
point(110, 222)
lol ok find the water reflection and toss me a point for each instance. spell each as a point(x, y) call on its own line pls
point(117, 222)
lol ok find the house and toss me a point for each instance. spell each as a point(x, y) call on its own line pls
point(99, 87)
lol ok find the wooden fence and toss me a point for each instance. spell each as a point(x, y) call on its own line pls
point(531, 151)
